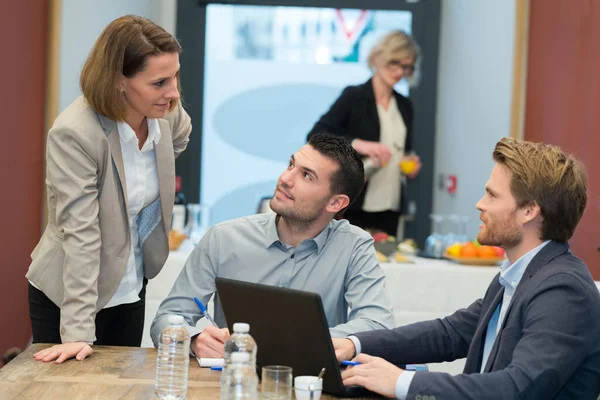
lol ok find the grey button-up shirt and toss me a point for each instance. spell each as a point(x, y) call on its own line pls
point(340, 264)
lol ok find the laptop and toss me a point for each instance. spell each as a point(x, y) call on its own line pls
point(289, 327)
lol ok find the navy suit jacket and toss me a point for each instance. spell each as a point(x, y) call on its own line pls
point(548, 346)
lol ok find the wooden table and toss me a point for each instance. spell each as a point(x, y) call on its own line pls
point(110, 373)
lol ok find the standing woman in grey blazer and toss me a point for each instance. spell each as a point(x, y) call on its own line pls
point(110, 165)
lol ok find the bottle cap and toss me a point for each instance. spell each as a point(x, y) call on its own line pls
point(240, 357)
point(175, 320)
point(241, 327)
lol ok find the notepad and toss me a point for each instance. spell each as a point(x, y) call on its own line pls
point(210, 362)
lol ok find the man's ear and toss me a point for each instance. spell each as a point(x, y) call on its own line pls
point(337, 203)
point(531, 212)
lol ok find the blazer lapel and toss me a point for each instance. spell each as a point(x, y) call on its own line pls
point(371, 105)
point(166, 172)
point(114, 142)
point(475, 356)
point(550, 251)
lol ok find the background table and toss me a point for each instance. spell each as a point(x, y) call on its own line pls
point(111, 373)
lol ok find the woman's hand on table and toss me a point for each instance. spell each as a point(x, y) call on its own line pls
point(62, 352)
point(379, 153)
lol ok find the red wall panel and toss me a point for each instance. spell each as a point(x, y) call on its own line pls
point(24, 32)
point(563, 98)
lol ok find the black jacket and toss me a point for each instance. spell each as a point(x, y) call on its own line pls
point(354, 116)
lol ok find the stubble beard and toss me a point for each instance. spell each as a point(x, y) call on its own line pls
point(502, 233)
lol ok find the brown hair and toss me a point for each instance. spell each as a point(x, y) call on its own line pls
point(122, 50)
point(543, 174)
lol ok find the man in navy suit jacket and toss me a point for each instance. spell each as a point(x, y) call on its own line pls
point(536, 332)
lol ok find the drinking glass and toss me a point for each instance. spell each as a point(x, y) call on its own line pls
point(198, 220)
point(276, 382)
point(452, 235)
point(434, 245)
point(462, 236)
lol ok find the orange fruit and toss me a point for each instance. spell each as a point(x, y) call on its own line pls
point(454, 250)
point(486, 252)
point(408, 166)
point(499, 251)
point(468, 250)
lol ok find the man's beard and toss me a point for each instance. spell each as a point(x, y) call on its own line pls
point(299, 216)
point(503, 233)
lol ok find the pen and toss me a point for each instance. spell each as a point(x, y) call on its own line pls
point(205, 312)
point(216, 368)
point(408, 367)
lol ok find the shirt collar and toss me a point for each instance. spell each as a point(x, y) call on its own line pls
point(154, 133)
point(127, 134)
point(511, 274)
point(272, 236)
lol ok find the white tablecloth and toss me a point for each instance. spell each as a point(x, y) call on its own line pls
point(424, 290)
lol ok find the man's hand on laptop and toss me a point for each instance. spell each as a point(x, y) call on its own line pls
point(373, 373)
point(344, 349)
point(210, 343)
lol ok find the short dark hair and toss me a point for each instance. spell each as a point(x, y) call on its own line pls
point(349, 178)
point(122, 49)
point(545, 175)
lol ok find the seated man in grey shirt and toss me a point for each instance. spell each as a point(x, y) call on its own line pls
point(300, 246)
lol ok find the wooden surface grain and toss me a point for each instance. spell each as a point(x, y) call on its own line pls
point(110, 373)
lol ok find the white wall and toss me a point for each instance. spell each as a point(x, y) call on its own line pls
point(82, 23)
point(474, 98)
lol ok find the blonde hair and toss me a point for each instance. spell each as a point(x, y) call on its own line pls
point(543, 174)
point(396, 44)
point(122, 50)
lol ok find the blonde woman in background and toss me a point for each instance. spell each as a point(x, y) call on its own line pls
point(110, 162)
point(378, 121)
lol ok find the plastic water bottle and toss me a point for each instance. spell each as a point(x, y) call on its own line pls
point(240, 341)
point(239, 380)
point(370, 167)
point(172, 360)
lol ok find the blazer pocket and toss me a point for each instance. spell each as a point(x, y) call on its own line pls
point(47, 256)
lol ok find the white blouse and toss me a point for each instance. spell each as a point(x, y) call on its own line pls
point(141, 180)
point(383, 187)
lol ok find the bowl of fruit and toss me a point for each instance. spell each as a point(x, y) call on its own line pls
point(384, 243)
point(408, 246)
point(472, 253)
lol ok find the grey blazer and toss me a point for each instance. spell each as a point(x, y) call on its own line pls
point(82, 255)
point(548, 346)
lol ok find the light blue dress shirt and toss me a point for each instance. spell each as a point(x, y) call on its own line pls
point(340, 264)
point(510, 276)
